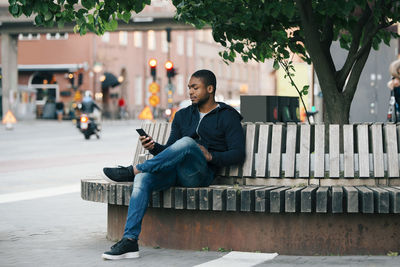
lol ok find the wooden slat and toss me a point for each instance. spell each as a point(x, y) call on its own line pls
point(319, 155)
point(247, 198)
point(276, 149)
point(156, 132)
point(366, 199)
point(120, 194)
point(112, 194)
point(262, 152)
point(394, 199)
point(308, 199)
point(322, 200)
point(233, 199)
point(127, 189)
point(277, 199)
point(363, 150)
point(381, 199)
point(351, 199)
point(304, 158)
point(139, 147)
point(169, 198)
point(180, 198)
point(205, 199)
point(262, 199)
point(219, 198)
point(290, 155)
point(234, 171)
point(348, 143)
point(377, 150)
point(293, 199)
point(250, 144)
point(391, 150)
point(156, 199)
point(337, 199)
point(193, 198)
point(334, 151)
point(167, 133)
point(161, 135)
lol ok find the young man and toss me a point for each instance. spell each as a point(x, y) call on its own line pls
point(204, 137)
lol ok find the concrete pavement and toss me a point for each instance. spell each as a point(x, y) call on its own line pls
point(62, 229)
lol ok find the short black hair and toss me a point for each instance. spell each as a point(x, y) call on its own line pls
point(207, 77)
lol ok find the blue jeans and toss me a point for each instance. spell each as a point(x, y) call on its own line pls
point(181, 164)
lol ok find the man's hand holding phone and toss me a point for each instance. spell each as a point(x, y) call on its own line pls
point(145, 139)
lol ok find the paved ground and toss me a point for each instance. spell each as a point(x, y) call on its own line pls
point(44, 222)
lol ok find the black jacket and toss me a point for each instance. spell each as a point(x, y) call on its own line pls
point(220, 131)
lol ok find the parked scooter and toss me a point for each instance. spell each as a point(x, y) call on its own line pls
point(88, 126)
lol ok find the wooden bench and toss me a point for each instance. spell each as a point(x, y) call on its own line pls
point(297, 192)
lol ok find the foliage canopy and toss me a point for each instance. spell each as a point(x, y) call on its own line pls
point(257, 30)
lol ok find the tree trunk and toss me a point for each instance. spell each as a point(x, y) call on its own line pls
point(336, 109)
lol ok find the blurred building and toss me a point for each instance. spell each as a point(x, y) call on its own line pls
point(60, 66)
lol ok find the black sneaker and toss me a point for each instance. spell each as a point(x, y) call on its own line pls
point(123, 249)
point(119, 174)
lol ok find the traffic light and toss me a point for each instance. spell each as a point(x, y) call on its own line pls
point(71, 78)
point(153, 65)
point(169, 66)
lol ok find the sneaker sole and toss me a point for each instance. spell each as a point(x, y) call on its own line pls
point(109, 180)
point(129, 255)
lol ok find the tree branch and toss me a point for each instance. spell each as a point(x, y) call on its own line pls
point(327, 34)
point(321, 58)
point(355, 43)
point(356, 72)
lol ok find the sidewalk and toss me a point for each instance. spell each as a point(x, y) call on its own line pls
point(67, 231)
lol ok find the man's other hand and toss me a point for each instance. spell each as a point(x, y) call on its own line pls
point(147, 142)
point(207, 154)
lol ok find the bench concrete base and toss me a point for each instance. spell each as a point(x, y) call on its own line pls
point(286, 233)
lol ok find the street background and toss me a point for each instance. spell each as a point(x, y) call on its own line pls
point(44, 221)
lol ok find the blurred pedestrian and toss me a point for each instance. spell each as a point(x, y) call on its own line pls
point(60, 110)
point(122, 108)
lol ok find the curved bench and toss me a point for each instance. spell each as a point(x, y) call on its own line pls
point(293, 194)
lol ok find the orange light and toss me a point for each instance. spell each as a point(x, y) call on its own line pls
point(153, 62)
point(169, 65)
point(84, 119)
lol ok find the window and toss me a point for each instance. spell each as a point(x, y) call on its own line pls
point(200, 35)
point(138, 91)
point(180, 84)
point(151, 40)
point(180, 45)
point(57, 36)
point(106, 37)
point(28, 37)
point(123, 38)
point(189, 47)
point(164, 43)
point(137, 38)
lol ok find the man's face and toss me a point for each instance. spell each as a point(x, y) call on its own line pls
point(198, 92)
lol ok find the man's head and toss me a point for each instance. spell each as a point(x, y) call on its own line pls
point(202, 86)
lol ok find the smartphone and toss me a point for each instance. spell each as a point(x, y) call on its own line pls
point(141, 132)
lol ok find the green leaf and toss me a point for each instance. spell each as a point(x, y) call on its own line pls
point(48, 16)
point(39, 20)
point(88, 4)
point(12, 2)
point(276, 65)
point(13, 10)
point(126, 16)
